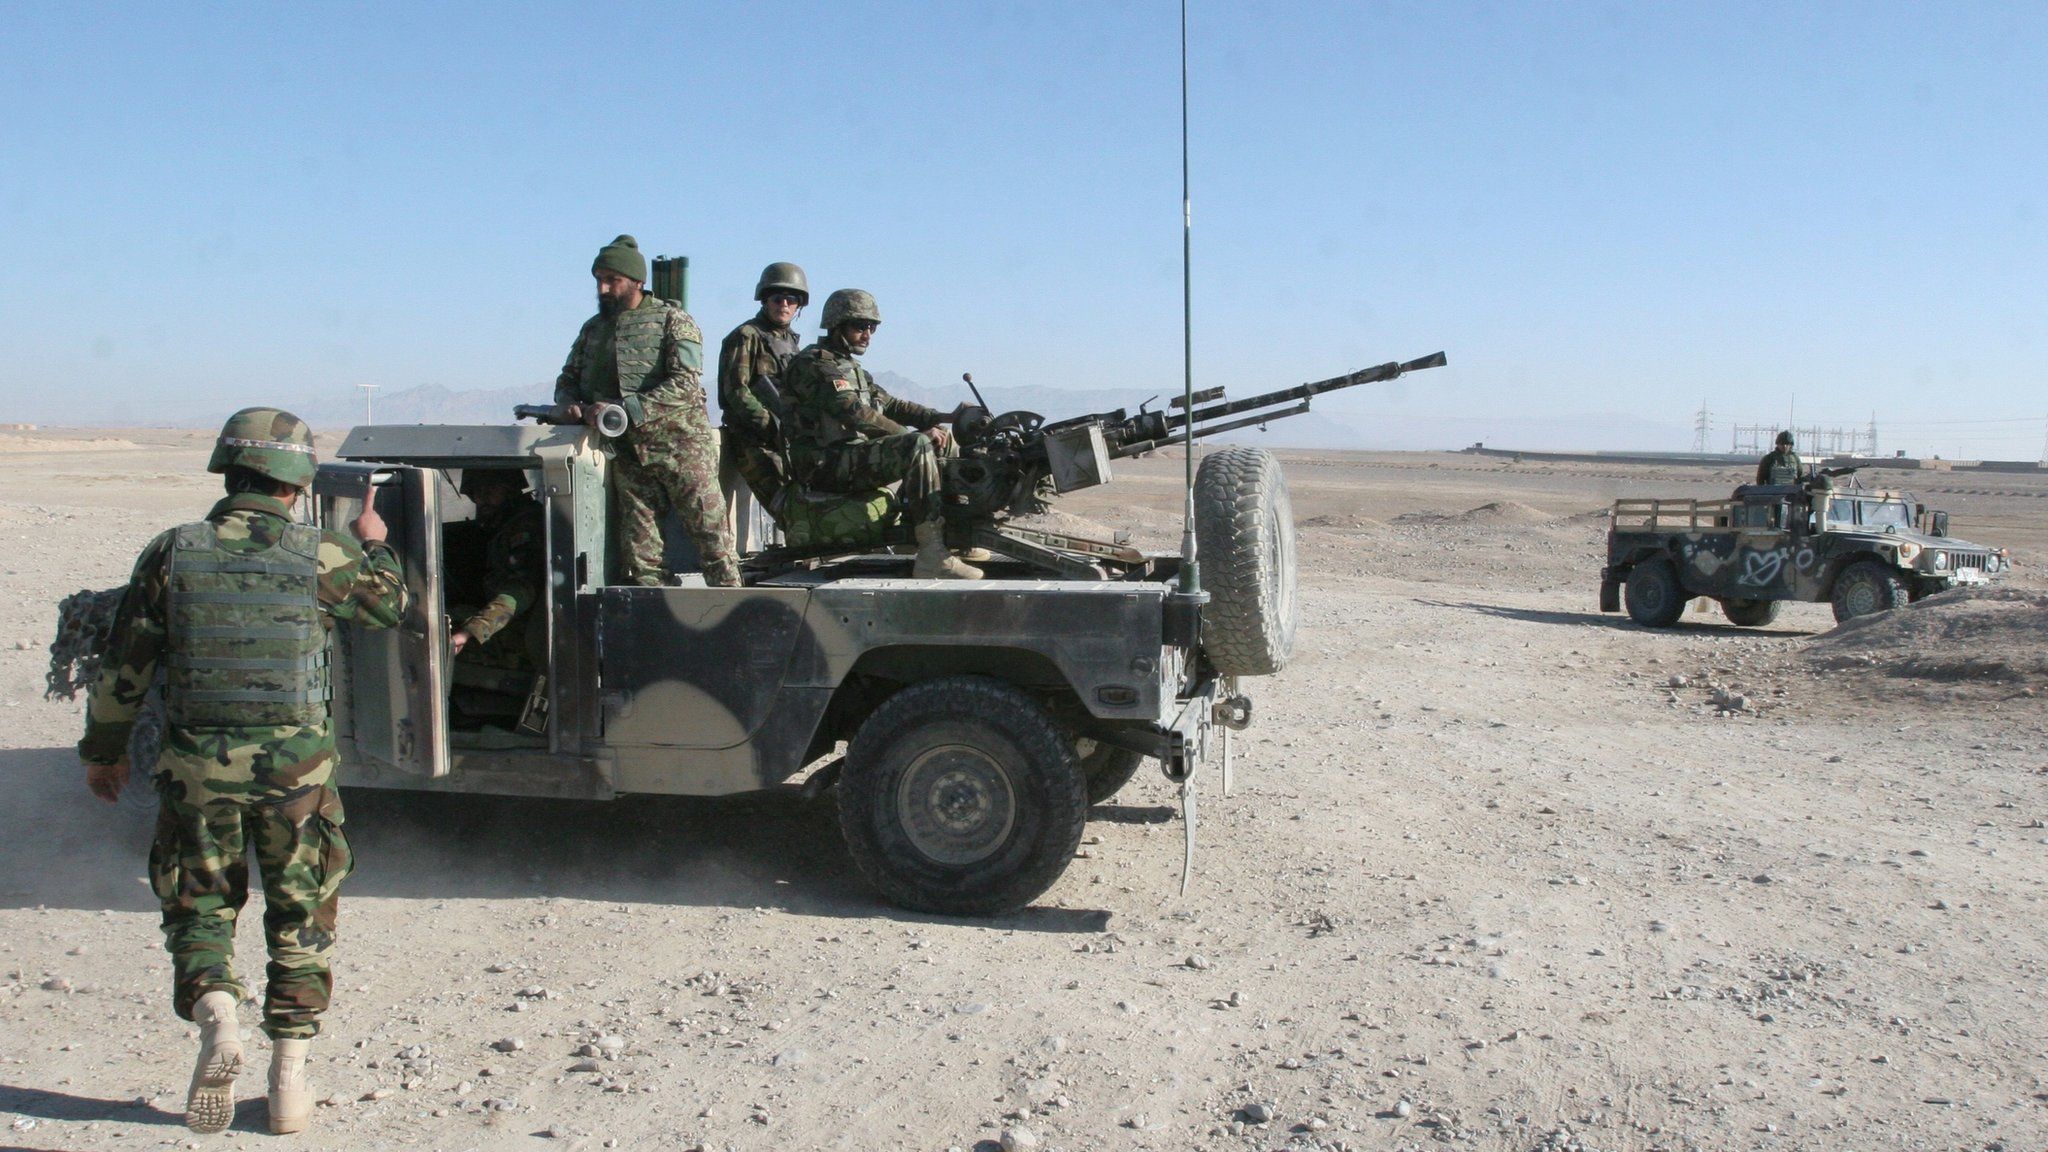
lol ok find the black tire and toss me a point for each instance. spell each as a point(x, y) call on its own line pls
point(1750, 613)
point(1865, 587)
point(961, 797)
point(1654, 598)
point(1105, 768)
point(1244, 526)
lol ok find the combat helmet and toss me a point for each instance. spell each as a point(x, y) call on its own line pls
point(270, 441)
point(1785, 439)
point(783, 276)
point(849, 304)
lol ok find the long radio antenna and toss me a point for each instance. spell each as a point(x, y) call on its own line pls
point(1190, 571)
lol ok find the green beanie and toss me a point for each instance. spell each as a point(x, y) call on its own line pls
point(622, 256)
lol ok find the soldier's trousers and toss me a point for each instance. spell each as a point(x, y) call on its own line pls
point(199, 869)
point(906, 456)
point(756, 463)
point(669, 464)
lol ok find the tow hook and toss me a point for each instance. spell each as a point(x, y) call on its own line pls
point(1233, 712)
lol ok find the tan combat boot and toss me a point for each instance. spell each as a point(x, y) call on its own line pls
point(210, 1102)
point(291, 1101)
point(933, 561)
point(975, 554)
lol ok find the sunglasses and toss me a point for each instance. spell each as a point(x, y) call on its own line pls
point(863, 325)
point(785, 298)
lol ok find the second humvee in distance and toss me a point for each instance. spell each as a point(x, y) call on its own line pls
point(980, 719)
point(1861, 550)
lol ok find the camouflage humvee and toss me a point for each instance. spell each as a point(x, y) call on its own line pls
point(1864, 550)
point(980, 719)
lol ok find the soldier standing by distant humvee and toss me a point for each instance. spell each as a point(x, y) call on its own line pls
point(1781, 465)
point(646, 355)
point(752, 354)
point(235, 609)
point(846, 434)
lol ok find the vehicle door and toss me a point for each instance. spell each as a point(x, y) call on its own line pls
point(390, 690)
point(1763, 565)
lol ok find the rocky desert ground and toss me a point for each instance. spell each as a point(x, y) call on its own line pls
point(1499, 872)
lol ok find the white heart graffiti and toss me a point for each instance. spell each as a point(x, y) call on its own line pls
point(1760, 568)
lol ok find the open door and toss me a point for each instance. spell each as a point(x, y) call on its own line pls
point(391, 693)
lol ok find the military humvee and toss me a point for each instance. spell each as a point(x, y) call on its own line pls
point(1864, 550)
point(980, 719)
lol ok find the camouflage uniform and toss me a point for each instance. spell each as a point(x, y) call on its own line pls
point(515, 568)
point(227, 789)
point(846, 434)
point(751, 439)
point(650, 360)
point(1780, 467)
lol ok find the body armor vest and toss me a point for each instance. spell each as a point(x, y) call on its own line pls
point(246, 648)
point(636, 342)
point(813, 423)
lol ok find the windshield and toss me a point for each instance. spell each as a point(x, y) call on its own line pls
point(1841, 513)
point(1885, 514)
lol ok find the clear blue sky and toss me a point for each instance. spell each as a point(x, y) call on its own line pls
point(1604, 213)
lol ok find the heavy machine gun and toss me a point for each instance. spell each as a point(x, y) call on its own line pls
point(1010, 464)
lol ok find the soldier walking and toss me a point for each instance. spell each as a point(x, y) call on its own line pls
point(646, 355)
point(750, 367)
point(846, 434)
point(1781, 465)
point(236, 609)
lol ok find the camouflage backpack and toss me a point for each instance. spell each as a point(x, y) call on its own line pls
point(85, 624)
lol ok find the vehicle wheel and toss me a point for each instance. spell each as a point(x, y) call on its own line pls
point(961, 797)
point(1106, 768)
point(1865, 587)
point(1654, 597)
point(1244, 526)
point(1750, 613)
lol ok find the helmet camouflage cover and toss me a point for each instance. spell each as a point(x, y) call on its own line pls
point(849, 304)
point(782, 276)
point(1784, 437)
point(271, 441)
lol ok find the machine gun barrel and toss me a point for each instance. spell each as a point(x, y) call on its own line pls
point(1152, 430)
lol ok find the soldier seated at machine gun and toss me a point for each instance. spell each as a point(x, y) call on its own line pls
point(993, 468)
point(497, 569)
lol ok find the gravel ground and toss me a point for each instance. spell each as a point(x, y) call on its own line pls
point(1499, 872)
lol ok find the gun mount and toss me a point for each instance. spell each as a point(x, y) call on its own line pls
point(1010, 464)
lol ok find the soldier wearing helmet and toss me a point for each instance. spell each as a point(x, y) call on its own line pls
point(750, 366)
point(646, 355)
point(234, 611)
point(1781, 465)
point(846, 434)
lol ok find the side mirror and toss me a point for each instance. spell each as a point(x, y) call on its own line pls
point(1941, 524)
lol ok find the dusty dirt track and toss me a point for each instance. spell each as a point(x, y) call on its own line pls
point(1497, 875)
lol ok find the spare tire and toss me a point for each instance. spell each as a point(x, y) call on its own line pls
point(1244, 526)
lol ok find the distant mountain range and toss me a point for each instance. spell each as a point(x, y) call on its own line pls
point(434, 404)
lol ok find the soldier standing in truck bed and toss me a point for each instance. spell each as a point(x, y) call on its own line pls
point(1781, 465)
point(236, 609)
point(846, 434)
point(750, 366)
point(646, 355)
